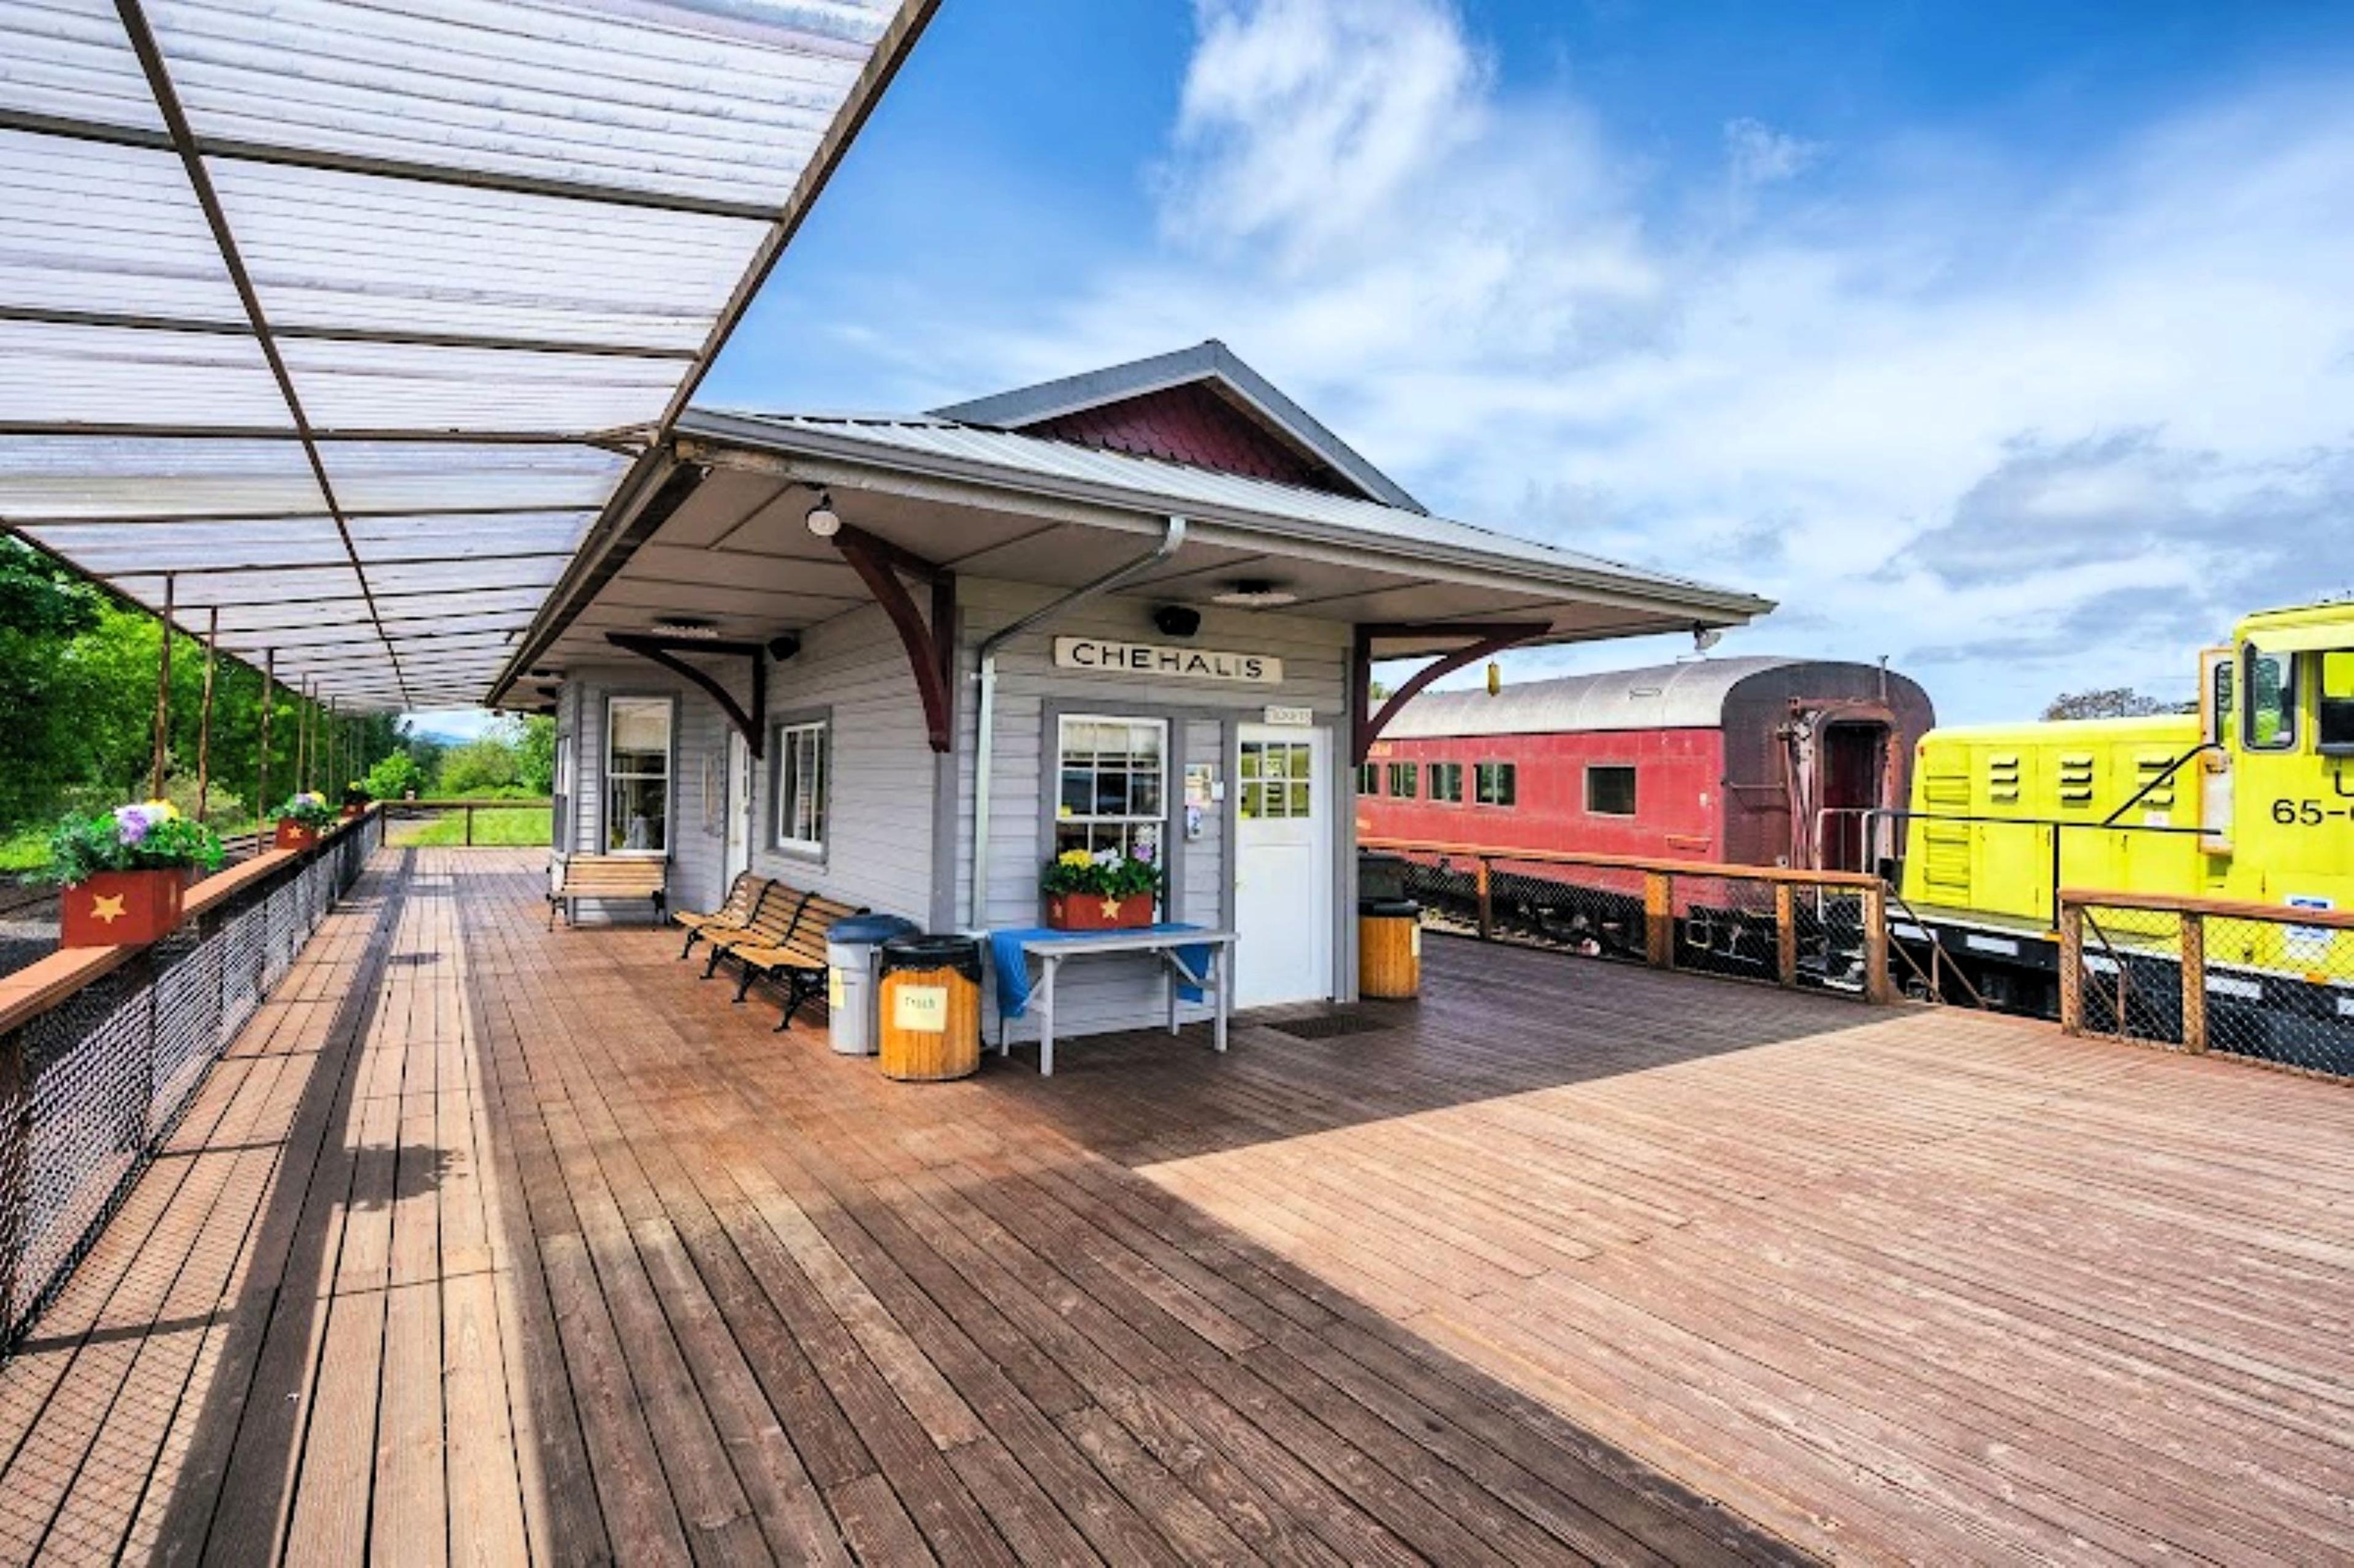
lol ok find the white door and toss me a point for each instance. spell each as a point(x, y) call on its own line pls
point(739, 806)
point(1283, 867)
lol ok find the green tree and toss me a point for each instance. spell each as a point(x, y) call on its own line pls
point(535, 754)
point(481, 767)
point(394, 776)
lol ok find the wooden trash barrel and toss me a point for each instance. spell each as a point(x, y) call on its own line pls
point(1389, 948)
point(928, 1024)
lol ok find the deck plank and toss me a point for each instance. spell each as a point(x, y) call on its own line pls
point(491, 1243)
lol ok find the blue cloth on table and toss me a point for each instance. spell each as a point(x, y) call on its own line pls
point(1013, 965)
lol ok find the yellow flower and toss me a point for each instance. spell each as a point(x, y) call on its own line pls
point(163, 810)
point(1075, 857)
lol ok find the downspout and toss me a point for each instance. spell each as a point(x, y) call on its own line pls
point(984, 746)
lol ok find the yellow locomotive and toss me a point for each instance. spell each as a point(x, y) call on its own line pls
point(2250, 799)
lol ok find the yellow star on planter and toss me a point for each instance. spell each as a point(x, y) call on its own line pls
point(1111, 908)
point(108, 909)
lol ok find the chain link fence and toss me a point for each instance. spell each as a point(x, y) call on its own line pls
point(90, 1088)
point(2247, 981)
point(1780, 927)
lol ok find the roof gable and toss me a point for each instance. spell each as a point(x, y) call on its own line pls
point(1200, 406)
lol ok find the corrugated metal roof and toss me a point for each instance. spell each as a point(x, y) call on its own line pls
point(1151, 483)
point(1690, 696)
point(309, 298)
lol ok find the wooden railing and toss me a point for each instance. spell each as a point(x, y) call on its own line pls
point(1678, 898)
point(2264, 981)
point(423, 811)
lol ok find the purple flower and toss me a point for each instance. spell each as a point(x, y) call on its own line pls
point(130, 823)
point(1143, 850)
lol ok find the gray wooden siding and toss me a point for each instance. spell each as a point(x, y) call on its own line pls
point(1105, 994)
point(878, 850)
point(698, 747)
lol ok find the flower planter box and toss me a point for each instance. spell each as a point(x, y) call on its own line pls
point(293, 835)
point(118, 908)
point(1093, 912)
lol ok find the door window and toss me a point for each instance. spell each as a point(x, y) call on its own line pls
point(637, 775)
point(1279, 780)
point(2271, 700)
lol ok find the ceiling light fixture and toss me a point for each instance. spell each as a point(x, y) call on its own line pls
point(700, 629)
point(1254, 593)
point(823, 520)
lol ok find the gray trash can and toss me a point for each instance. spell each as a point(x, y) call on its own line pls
point(852, 948)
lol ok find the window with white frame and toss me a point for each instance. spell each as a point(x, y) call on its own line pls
point(561, 816)
point(637, 775)
point(1113, 786)
point(801, 785)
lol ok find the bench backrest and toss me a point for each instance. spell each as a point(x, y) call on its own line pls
point(740, 899)
point(615, 876)
point(808, 940)
point(772, 922)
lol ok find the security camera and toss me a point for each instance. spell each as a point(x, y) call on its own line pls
point(1177, 620)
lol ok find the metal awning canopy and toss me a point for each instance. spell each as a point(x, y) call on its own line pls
point(352, 318)
point(716, 533)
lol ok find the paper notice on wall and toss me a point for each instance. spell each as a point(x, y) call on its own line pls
point(2307, 943)
point(836, 993)
point(920, 1009)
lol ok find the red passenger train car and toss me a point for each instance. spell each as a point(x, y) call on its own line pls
point(1749, 761)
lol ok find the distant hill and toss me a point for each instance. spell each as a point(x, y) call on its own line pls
point(439, 736)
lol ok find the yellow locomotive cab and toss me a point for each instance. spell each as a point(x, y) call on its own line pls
point(2249, 798)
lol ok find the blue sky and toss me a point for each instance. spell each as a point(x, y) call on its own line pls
point(2014, 340)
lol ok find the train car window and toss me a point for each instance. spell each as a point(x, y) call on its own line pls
point(2336, 733)
point(1402, 778)
point(2270, 723)
point(1493, 783)
point(1369, 778)
point(1610, 791)
point(1447, 782)
point(2222, 710)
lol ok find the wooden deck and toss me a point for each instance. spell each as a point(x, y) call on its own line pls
point(499, 1244)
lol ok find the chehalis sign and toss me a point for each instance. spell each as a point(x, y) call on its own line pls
point(1098, 656)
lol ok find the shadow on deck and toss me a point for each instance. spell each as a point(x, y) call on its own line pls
point(522, 1245)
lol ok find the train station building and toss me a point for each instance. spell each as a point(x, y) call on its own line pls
point(904, 660)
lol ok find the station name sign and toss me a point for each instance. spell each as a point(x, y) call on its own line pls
point(1098, 656)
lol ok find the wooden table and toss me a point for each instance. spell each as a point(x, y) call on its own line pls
point(1051, 951)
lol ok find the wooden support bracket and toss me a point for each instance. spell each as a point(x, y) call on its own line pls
point(931, 648)
point(666, 651)
point(1490, 638)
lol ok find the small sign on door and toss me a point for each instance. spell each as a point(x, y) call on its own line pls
point(920, 1009)
point(1290, 718)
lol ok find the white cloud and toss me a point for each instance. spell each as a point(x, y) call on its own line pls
point(1951, 403)
point(1758, 154)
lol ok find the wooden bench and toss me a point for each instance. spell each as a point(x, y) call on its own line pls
point(772, 923)
point(579, 876)
point(798, 962)
point(731, 916)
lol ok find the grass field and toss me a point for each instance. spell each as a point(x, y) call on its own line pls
point(506, 827)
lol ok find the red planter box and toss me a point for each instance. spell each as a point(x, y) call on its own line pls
point(118, 908)
point(1090, 912)
point(293, 835)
